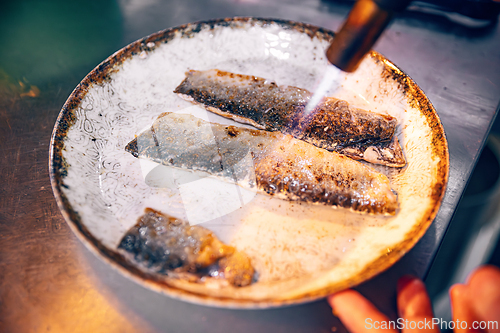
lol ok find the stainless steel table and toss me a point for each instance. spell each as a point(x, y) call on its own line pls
point(50, 283)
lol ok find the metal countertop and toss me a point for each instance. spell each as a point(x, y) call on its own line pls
point(50, 283)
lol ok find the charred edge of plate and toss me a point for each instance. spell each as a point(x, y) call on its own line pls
point(419, 101)
point(58, 166)
point(190, 29)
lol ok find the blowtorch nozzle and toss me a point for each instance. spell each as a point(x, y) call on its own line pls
point(364, 24)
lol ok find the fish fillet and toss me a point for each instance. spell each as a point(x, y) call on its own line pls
point(332, 125)
point(163, 244)
point(272, 162)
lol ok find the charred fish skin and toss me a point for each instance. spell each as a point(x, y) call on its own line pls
point(264, 104)
point(261, 103)
point(186, 142)
point(160, 242)
point(388, 153)
point(334, 124)
point(271, 162)
point(317, 176)
point(163, 244)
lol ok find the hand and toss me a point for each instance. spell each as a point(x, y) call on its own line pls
point(360, 316)
point(477, 300)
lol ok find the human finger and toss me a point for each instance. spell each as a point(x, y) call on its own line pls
point(414, 306)
point(358, 314)
point(413, 300)
point(461, 309)
point(484, 290)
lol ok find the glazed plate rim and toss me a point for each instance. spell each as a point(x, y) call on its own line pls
point(58, 167)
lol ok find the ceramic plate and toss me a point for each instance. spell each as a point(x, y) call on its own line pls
point(301, 252)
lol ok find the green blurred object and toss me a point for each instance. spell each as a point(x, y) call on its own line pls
point(43, 40)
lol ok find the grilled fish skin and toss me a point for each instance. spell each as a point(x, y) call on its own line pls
point(333, 124)
point(165, 244)
point(388, 153)
point(272, 162)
